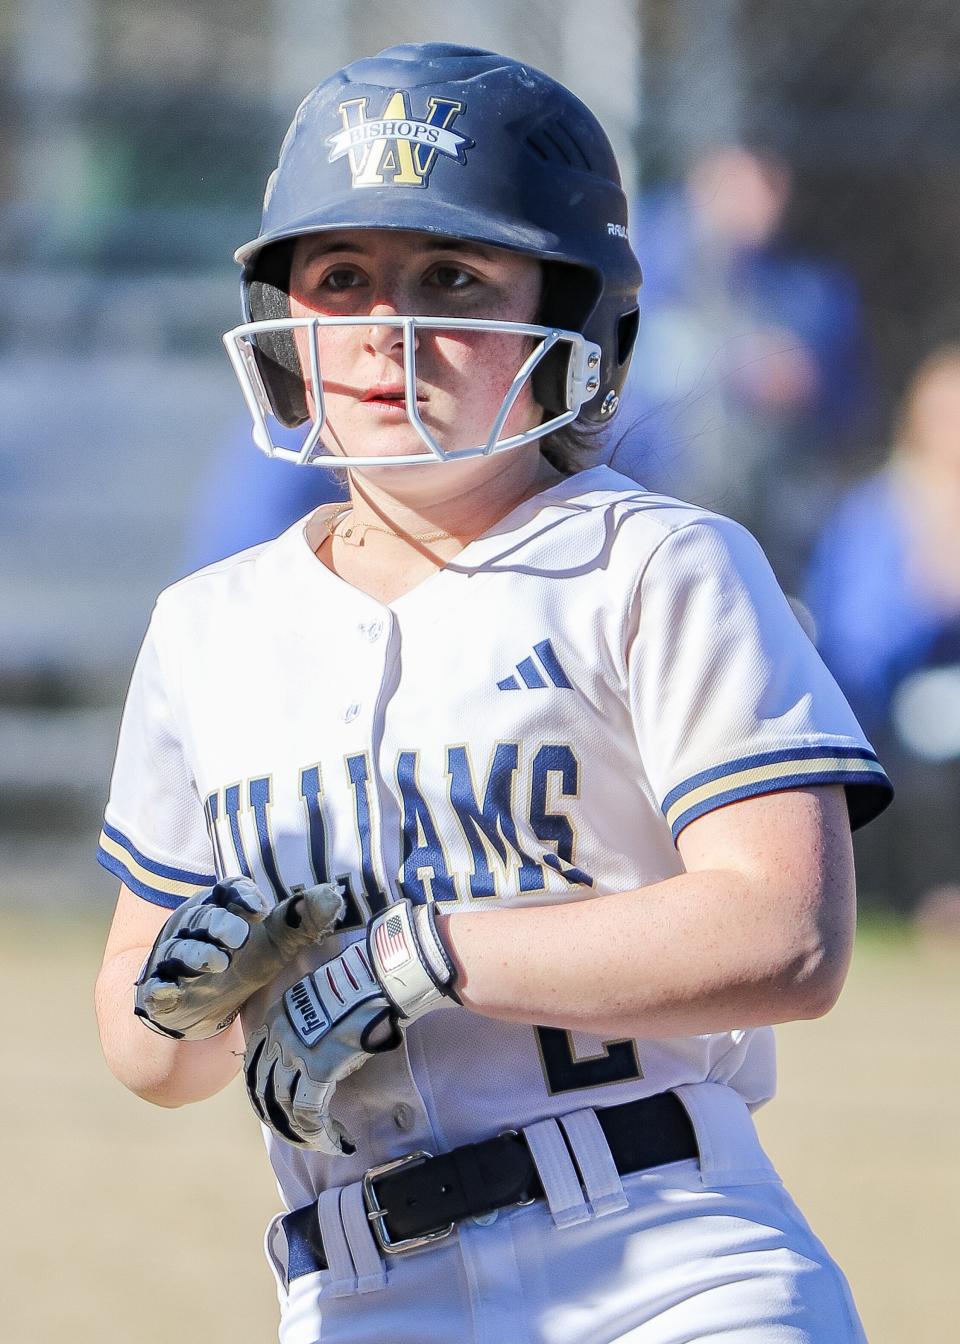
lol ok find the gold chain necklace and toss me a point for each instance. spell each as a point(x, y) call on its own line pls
point(355, 534)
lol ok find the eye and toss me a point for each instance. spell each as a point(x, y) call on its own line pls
point(341, 278)
point(448, 276)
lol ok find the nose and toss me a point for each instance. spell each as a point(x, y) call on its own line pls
point(386, 340)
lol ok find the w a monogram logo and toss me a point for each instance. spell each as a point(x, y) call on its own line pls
point(397, 148)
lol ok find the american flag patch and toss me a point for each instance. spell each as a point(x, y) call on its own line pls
point(390, 939)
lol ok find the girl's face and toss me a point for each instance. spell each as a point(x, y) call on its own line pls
point(462, 376)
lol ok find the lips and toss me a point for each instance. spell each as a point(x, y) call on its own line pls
point(389, 394)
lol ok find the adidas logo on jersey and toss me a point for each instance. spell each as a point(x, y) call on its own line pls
point(536, 673)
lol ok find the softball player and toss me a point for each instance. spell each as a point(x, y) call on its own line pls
point(507, 804)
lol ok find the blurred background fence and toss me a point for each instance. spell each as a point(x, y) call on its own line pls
point(796, 206)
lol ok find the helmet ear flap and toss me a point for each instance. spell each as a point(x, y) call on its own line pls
point(275, 352)
point(569, 295)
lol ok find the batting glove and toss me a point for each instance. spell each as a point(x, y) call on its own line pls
point(221, 946)
point(330, 1023)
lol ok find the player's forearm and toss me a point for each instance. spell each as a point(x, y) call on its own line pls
point(698, 953)
point(163, 1071)
point(758, 930)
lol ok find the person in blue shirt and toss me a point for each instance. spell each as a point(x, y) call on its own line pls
point(883, 587)
point(884, 580)
point(750, 367)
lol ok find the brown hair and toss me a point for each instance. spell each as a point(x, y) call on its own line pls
point(572, 448)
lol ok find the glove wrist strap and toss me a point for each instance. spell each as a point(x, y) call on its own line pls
point(410, 960)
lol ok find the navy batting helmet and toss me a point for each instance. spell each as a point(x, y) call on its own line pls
point(465, 144)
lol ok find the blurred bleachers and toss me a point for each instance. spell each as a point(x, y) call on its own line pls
point(100, 457)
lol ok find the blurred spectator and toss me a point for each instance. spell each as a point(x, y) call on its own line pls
point(750, 363)
point(884, 591)
point(247, 497)
point(884, 582)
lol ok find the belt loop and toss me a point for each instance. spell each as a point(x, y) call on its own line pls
point(589, 1146)
point(371, 1271)
point(279, 1262)
point(343, 1280)
point(730, 1148)
point(561, 1184)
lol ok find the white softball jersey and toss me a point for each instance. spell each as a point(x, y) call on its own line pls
point(535, 723)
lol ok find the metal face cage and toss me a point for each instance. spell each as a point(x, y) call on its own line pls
point(582, 383)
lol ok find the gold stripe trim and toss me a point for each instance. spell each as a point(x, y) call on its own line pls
point(169, 885)
point(763, 774)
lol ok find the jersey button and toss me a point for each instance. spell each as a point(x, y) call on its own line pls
point(373, 631)
point(351, 712)
point(403, 1117)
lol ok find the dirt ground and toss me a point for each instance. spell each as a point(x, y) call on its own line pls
point(126, 1224)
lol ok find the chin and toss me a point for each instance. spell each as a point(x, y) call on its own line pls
point(423, 480)
point(410, 472)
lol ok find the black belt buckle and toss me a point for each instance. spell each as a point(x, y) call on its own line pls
point(377, 1216)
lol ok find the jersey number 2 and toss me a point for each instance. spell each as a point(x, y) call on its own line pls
point(616, 1063)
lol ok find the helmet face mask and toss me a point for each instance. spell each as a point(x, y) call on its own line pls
point(580, 364)
point(460, 144)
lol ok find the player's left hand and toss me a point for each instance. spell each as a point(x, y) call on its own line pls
point(328, 1024)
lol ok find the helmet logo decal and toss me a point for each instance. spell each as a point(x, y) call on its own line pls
point(397, 148)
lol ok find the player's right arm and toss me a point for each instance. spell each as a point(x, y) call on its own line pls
point(199, 945)
point(159, 1069)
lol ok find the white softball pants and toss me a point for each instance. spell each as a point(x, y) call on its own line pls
point(715, 1251)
